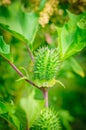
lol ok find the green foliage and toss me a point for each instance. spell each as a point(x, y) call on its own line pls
point(21, 115)
point(46, 66)
point(47, 120)
point(72, 37)
point(66, 118)
point(82, 22)
point(3, 108)
point(7, 111)
point(31, 106)
point(4, 48)
point(71, 67)
point(20, 24)
point(13, 115)
point(76, 67)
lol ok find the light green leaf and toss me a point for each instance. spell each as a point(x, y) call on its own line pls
point(14, 33)
point(20, 24)
point(31, 106)
point(30, 26)
point(76, 67)
point(72, 38)
point(4, 48)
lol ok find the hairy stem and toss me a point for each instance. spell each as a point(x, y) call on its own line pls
point(45, 93)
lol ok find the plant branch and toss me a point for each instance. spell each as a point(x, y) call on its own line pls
point(20, 73)
point(30, 53)
point(45, 93)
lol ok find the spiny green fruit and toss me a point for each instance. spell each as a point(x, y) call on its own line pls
point(45, 66)
point(47, 120)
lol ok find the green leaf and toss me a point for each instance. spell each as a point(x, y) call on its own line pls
point(14, 33)
point(3, 108)
point(30, 26)
point(20, 24)
point(76, 67)
point(7, 112)
point(11, 118)
point(4, 48)
point(8, 57)
point(31, 106)
point(20, 113)
point(72, 38)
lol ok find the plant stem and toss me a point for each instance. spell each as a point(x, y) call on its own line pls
point(20, 73)
point(30, 53)
point(45, 93)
